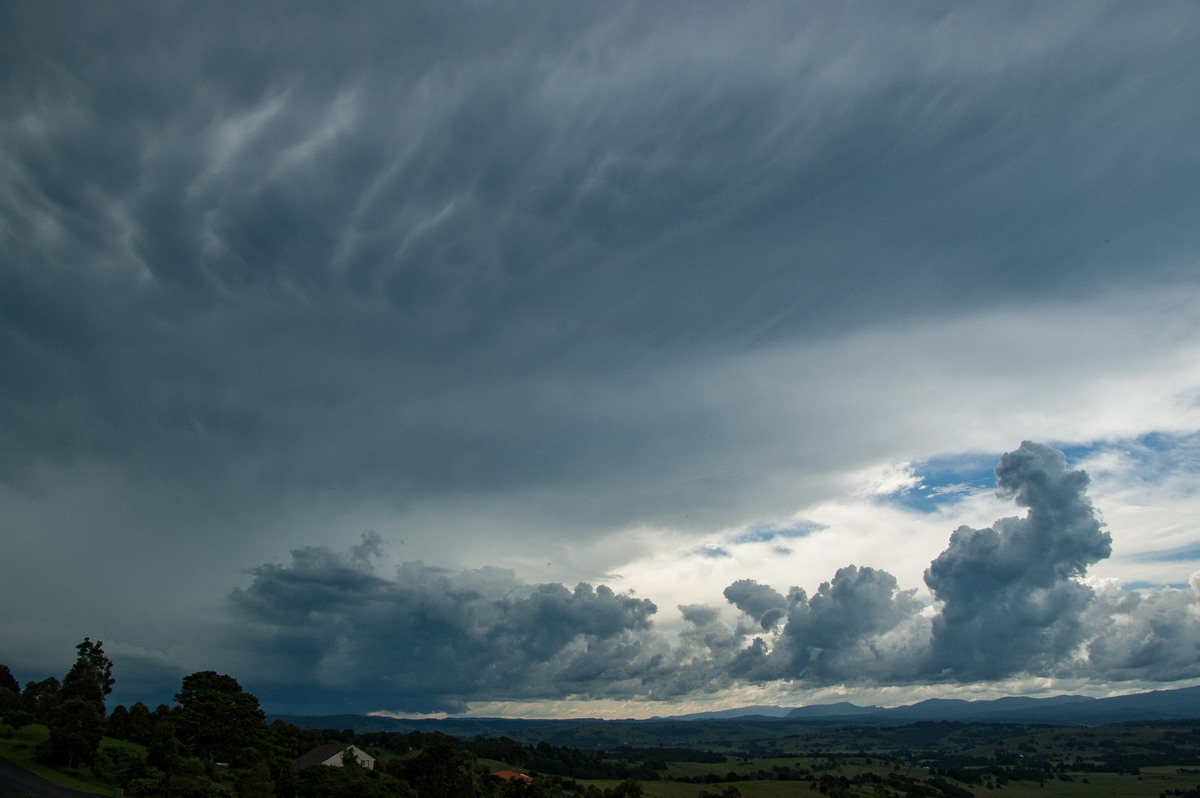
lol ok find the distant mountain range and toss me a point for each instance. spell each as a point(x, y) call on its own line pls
point(1063, 710)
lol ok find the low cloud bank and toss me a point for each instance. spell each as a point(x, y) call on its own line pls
point(429, 637)
point(1007, 600)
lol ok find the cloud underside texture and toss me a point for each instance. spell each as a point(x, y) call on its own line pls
point(1008, 601)
point(353, 250)
point(586, 260)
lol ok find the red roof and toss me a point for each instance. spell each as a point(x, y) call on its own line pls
point(509, 775)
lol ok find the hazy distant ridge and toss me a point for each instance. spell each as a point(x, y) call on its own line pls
point(1065, 710)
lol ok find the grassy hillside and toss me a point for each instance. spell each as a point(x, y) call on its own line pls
point(20, 746)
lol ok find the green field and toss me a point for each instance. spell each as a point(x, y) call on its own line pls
point(948, 759)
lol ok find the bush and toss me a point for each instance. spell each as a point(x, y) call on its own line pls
point(18, 718)
point(350, 782)
point(116, 765)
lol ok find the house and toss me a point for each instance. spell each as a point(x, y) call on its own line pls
point(335, 755)
point(511, 775)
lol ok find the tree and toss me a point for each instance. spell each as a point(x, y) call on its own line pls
point(141, 723)
point(8, 682)
point(10, 692)
point(162, 751)
point(78, 723)
point(92, 669)
point(41, 699)
point(443, 771)
point(255, 782)
point(118, 726)
point(326, 782)
point(216, 718)
point(75, 734)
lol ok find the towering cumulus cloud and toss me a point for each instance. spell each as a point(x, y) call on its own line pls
point(857, 627)
point(1005, 601)
point(1011, 597)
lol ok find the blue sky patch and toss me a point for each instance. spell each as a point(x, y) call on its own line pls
point(1153, 455)
point(1183, 554)
point(1143, 585)
point(764, 533)
point(942, 480)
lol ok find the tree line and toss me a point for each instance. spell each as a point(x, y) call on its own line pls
point(215, 742)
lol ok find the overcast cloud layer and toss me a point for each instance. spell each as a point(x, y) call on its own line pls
point(419, 356)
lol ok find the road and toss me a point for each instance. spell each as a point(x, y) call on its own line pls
point(16, 782)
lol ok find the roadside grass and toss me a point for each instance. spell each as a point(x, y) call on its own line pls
point(21, 749)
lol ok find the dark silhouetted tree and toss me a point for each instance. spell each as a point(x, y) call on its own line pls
point(164, 750)
point(91, 667)
point(443, 771)
point(78, 723)
point(255, 782)
point(320, 781)
point(10, 692)
point(8, 682)
point(75, 734)
point(141, 723)
point(626, 789)
point(134, 724)
point(41, 699)
point(118, 725)
point(216, 719)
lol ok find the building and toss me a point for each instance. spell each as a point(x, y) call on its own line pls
point(511, 775)
point(334, 755)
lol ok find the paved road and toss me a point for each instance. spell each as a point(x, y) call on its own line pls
point(16, 782)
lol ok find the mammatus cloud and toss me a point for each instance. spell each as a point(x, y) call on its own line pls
point(1006, 600)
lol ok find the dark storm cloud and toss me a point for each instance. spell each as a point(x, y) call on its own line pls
point(355, 249)
point(291, 262)
point(429, 638)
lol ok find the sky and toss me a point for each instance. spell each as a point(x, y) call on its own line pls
point(601, 359)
